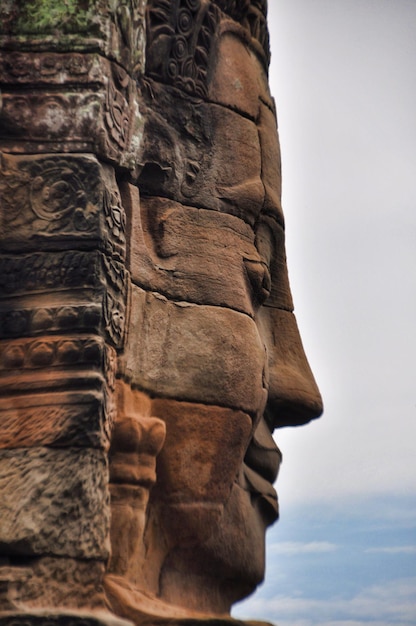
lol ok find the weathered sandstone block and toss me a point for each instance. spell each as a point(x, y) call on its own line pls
point(191, 254)
point(240, 80)
point(194, 353)
point(195, 436)
point(54, 502)
point(54, 419)
point(53, 582)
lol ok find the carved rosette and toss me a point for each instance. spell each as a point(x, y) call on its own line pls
point(60, 198)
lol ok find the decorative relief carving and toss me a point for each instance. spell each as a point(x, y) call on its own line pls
point(82, 366)
point(53, 198)
point(42, 271)
point(97, 111)
point(71, 353)
point(64, 271)
point(180, 37)
point(46, 68)
point(43, 199)
point(51, 352)
point(114, 317)
point(34, 321)
point(117, 107)
point(54, 419)
point(115, 216)
point(47, 118)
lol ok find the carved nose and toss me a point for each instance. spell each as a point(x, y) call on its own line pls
point(293, 395)
point(293, 406)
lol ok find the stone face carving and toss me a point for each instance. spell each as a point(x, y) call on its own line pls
point(148, 346)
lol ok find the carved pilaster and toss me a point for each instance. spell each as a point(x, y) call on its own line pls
point(63, 293)
point(69, 125)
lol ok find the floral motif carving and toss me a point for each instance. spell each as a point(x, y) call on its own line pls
point(47, 68)
point(64, 271)
point(34, 321)
point(60, 197)
point(181, 34)
point(51, 352)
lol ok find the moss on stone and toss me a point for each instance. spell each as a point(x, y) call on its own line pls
point(52, 15)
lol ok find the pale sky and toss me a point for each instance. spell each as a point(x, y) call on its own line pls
point(344, 78)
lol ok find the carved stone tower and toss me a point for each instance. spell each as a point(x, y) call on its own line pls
point(148, 346)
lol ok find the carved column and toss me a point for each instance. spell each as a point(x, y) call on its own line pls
point(69, 126)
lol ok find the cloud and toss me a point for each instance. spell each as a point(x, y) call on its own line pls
point(393, 549)
point(390, 604)
point(298, 547)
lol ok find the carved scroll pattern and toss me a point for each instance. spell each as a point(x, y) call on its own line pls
point(38, 273)
point(180, 38)
point(252, 15)
point(65, 198)
point(180, 35)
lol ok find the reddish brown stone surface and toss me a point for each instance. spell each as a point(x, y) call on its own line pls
point(148, 346)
